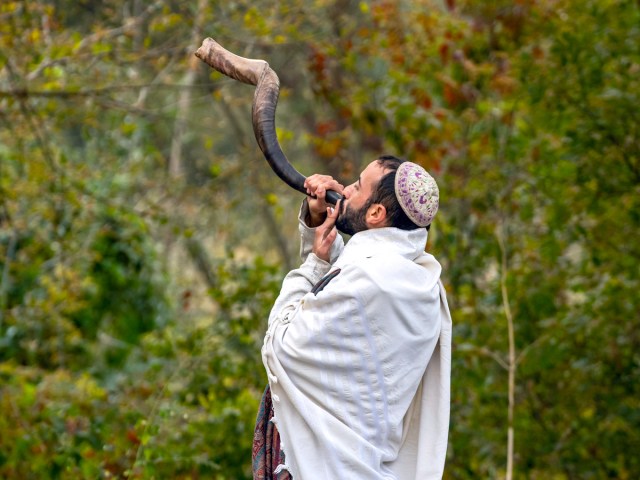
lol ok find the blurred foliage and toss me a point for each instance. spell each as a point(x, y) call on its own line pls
point(181, 405)
point(143, 239)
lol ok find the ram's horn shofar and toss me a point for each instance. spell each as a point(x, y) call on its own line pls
point(265, 100)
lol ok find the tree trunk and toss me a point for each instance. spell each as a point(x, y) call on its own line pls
point(176, 157)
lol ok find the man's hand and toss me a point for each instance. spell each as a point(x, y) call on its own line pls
point(317, 186)
point(326, 234)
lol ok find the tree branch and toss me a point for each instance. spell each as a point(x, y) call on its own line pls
point(4, 280)
point(512, 364)
point(176, 167)
point(486, 352)
point(26, 93)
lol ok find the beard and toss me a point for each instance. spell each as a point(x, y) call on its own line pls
point(352, 221)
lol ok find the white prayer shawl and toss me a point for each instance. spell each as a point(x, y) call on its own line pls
point(360, 372)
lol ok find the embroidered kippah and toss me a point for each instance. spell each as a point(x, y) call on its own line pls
point(417, 193)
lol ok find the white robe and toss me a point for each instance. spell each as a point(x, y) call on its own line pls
point(360, 372)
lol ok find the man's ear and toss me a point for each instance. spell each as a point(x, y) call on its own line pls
point(376, 216)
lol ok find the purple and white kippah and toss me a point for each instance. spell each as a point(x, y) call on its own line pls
point(417, 193)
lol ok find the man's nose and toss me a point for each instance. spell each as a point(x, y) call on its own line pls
point(346, 193)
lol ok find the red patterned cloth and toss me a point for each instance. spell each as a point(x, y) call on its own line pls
point(267, 451)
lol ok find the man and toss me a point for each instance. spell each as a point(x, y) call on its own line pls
point(358, 347)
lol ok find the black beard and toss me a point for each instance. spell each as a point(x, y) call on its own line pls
point(351, 221)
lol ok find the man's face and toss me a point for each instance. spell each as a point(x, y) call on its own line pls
point(356, 202)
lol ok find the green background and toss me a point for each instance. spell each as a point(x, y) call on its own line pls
point(143, 238)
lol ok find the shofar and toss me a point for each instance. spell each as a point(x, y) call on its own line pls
point(265, 100)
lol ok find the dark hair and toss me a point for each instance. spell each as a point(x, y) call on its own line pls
point(385, 194)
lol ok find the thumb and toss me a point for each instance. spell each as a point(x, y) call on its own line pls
point(332, 214)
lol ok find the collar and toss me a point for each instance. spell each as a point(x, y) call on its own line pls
point(388, 241)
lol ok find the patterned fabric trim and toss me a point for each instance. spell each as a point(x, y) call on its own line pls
point(267, 455)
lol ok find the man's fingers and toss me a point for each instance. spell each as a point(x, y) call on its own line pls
point(330, 221)
point(326, 235)
point(317, 185)
point(335, 211)
point(331, 236)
